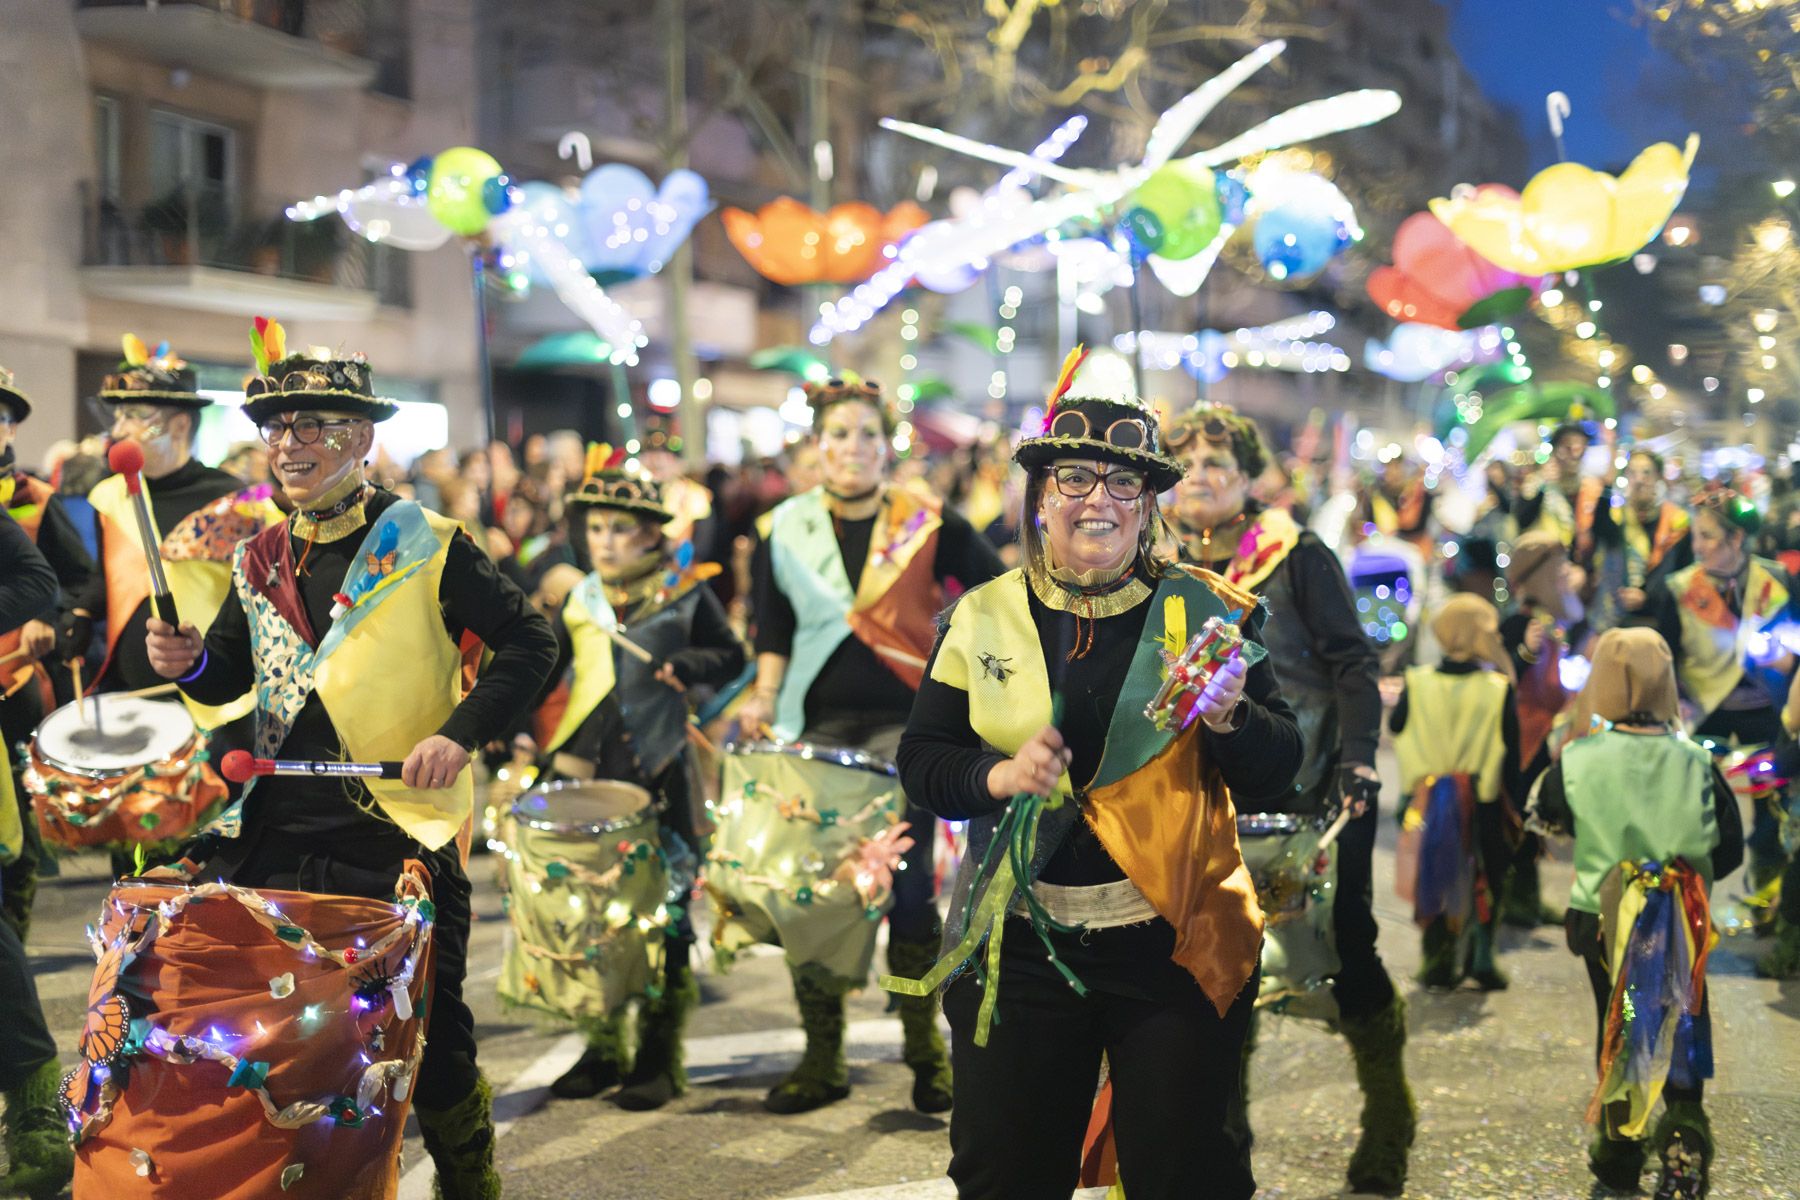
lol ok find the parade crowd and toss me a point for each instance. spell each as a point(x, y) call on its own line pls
point(1124, 679)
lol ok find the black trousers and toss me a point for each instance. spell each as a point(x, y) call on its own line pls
point(1362, 986)
point(914, 917)
point(369, 867)
point(1023, 1101)
point(25, 1045)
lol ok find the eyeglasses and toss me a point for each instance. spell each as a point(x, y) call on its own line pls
point(1127, 433)
point(1078, 483)
point(306, 430)
point(135, 412)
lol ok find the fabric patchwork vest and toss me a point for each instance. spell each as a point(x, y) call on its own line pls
point(1160, 809)
point(891, 609)
point(1637, 797)
point(386, 670)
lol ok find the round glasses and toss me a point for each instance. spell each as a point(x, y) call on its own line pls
point(1127, 433)
point(306, 430)
point(1213, 429)
point(1077, 483)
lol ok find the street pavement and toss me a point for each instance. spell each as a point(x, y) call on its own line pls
point(1502, 1080)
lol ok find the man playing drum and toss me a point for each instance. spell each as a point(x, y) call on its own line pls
point(1327, 670)
point(679, 638)
point(349, 621)
point(847, 579)
point(34, 505)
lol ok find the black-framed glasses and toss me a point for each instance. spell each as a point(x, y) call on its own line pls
point(306, 430)
point(1077, 483)
point(1127, 433)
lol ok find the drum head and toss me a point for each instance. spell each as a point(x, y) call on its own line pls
point(582, 806)
point(132, 732)
point(819, 752)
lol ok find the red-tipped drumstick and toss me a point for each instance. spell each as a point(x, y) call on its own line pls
point(127, 458)
point(240, 766)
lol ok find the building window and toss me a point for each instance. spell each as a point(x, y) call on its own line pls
point(106, 148)
point(191, 157)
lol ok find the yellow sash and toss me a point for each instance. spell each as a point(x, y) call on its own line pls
point(587, 616)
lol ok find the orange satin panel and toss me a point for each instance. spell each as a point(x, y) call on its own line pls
point(1171, 826)
point(904, 619)
point(213, 968)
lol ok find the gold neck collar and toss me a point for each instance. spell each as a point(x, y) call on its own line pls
point(1215, 543)
point(1089, 594)
point(635, 583)
point(338, 515)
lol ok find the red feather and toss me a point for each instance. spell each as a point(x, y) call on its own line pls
point(616, 459)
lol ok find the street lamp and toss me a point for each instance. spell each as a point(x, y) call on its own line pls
point(1764, 320)
point(1754, 395)
point(1783, 188)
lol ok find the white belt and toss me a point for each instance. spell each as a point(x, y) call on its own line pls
point(1101, 906)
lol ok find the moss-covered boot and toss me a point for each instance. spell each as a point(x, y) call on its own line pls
point(822, 1077)
point(1684, 1144)
point(1237, 1114)
point(1783, 959)
point(601, 1065)
point(37, 1141)
point(923, 1047)
point(460, 1140)
point(1437, 957)
point(1522, 895)
point(1390, 1118)
point(1616, 1162)
point(1484, 964)
point(658, 1076)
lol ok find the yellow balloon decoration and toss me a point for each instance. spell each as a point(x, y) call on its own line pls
point(1571, 216)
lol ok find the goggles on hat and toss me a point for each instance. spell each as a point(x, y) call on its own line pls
point(1126, 433)
point(1213, 429)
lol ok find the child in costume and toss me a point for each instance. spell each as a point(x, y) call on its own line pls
point(1457, 736)
point(1655, 824)
point(624, 708)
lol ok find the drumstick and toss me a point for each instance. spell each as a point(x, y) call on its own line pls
point(1336, 827)
point(901, 656)
point(127, 458)
point(630, 647)
point(240, 766)
point(160, 689)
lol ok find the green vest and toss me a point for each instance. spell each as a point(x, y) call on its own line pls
point(1634, 797)
point(1453, 727)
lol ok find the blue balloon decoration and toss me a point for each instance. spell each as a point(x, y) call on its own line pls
point(1233, 197)
point(632, 226)
point(550, 206)
point(497, 194)
point(418, 173)
point(1297, 239)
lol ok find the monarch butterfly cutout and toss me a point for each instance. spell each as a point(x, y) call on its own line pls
point(108, 1017)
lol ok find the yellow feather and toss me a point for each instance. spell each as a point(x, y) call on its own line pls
point(136, 353)
point(1175, 635)
point(597, 454)
point(275, 342)
point(1069, 363)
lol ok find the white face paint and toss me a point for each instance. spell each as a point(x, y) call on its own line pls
point(161, 433)
point(1213, 488)
point(853, 448)
point(1096, 532)
point(617, 539)
point(308, 472)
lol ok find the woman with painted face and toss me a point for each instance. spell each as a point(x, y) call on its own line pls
point(1723, 617)
point(1327, 668)
point(628, 719)
point(846, 580)
point(1128, 925)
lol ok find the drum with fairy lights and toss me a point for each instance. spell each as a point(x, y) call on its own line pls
point(803, 857)
point(244, 1043)
point(1296, 885)
point(587, 898)
point(118, 770)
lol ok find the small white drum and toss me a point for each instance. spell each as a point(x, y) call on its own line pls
point(119, 769)
point(586, 886)
point(1296, 884)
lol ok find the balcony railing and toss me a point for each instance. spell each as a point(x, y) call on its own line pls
point(195, 228)
point(321, 43)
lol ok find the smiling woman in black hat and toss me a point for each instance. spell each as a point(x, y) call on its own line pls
point(1038, 687)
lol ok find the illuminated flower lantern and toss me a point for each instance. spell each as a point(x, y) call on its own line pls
point(791, 244)
point(1437, 280)
point(633, 226)
point(1571, 216)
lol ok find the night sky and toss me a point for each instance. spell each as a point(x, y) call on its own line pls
point(1624, 95)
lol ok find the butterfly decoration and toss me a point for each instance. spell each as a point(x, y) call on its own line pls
point(381, 562)
point(268, 341)
point(108, 1021)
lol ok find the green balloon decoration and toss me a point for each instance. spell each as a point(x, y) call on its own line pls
point(455, 193)
point(1556, 401)
point(1180, 202)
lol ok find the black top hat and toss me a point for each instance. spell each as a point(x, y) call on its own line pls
point(1095, 413)
point(306, 381)
point(607, 484)
point(161, 378)
point(12, 397)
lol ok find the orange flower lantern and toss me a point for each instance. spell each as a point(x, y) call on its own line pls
point(791, 244)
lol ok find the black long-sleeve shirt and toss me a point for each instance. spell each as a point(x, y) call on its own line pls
point(854, 678)
point(60, 543)
point(944, 766)
point(473, 596)
point(1553, 809)
point(27, 583)
point(1511, 778)
point(1325, 605)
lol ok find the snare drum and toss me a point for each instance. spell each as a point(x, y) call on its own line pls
point(136, 775)
point(244, 1044)
point(587, 888)
point(1296, 885)
point(794, 823)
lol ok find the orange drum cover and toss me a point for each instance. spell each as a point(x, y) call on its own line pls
point(189, 1007)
